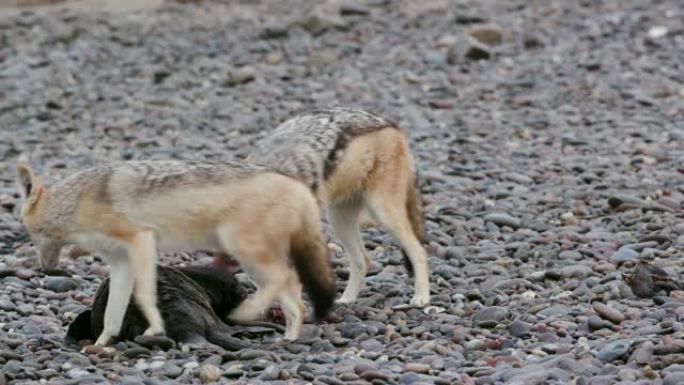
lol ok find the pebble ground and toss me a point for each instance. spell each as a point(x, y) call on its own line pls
point(550, 139)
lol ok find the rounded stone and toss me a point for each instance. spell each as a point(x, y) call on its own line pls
point(502, 219)
point(61, 284)
point(611, 314)
point(491, 316)
point(209, 374)
point(137, 352)
point(613, 350)
point(152, 342)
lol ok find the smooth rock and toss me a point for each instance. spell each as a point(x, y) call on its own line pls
point(491, 316)
point(520, 329)
point(489, 34)
point(353, 8)
point(7, 305)
point(576, 271)
point(611, 314)
point(209, 373)
point(555, 310)
point(503, 219)
point(271, 373)
point(61, 284)
point(643, 355)
point(674, 379)
point(321, 19)
point(417, 368)
point(134, 353)
point(624, 254)
point(597, 323)
point(241, 75)
point(151, 342)
point(613, 350)
point(171, 371)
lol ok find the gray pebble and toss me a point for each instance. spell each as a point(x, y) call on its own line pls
point(61, 284)
point(624, 254)
point(171, 371)
point(134, 353)
point(674, 379)
point(555, 310)
point(271, 373)
point(611, 314)
point(7, 305)
point(491, 316)
point(25, 309)
point(520, 329)
point(613, 350)
point(151, 342)
point(576, 271)
point(503, 219)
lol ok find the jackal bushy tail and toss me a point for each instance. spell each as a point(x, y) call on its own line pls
point(416, 215)
point(414, 208)
point(311, 261)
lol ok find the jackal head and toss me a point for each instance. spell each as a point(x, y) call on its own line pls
point(45, 236)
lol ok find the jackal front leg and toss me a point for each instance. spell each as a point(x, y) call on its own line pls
point(120, 288)
point(143, 259)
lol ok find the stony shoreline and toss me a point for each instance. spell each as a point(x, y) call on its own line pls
point(550, 137)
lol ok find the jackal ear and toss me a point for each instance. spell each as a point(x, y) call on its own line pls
point(28, 184)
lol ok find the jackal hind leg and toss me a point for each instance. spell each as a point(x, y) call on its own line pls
point(389, 210)
point(293, 307)
point(344, 219)
point(262, 263)
point(143, 258)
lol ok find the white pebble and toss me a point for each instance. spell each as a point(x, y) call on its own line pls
point(142, 365)
point(657, 32)
point(433, 310)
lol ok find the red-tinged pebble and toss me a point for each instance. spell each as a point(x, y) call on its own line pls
point(441, 104)
point(563, 350)
point(467, 380)
point(92, 349)
point(493, 344)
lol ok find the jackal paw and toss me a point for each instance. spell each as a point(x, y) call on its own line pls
point(346, 300)
point(343, 301)
point(154, 331)
point(288, 338)
point(103, 339)
point(420, 301)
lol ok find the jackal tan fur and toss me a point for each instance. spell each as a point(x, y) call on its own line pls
point(356, 163)
point(128, 211)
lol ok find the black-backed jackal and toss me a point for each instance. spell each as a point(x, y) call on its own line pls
point(355, 163)
point(127, 211)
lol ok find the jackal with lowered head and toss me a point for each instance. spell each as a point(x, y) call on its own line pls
point(355, 162)
point(127, 211)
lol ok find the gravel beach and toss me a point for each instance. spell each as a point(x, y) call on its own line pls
point(550, 141)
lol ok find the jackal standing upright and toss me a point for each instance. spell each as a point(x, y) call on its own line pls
point(127, 211)
point(353, 161)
